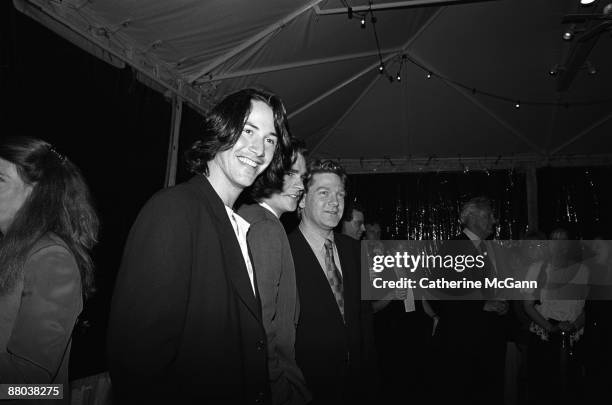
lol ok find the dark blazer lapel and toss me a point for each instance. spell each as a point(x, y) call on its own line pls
point(232, 254)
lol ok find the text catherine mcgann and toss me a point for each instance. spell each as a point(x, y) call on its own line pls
point(406, 262)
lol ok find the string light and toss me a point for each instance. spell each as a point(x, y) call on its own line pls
point(554, 71)
point(569, 34)
point(590, 68)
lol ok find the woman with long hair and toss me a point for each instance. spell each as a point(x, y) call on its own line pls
point(48, 226)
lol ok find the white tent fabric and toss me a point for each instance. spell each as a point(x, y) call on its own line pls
point(325, 67)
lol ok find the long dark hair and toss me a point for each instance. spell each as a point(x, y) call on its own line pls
point(59, 203)
point(224, 124)
point(272, 180)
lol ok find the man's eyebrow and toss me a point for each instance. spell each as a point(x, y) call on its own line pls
point(249, 123)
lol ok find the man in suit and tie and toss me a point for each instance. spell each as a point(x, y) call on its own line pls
point(470, 331)
point(185, 322)
point(334, 345)
point(277, 192)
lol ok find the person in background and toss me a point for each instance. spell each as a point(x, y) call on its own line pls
point(276, 193)
point(470, 333)
point(185, 323)
point(353, 222)
point(373, 230)
point(48, 227)
point(556, 310)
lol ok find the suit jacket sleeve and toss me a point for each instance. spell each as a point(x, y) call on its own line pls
point(277, 285)
point(49, 306)
point(152, 290)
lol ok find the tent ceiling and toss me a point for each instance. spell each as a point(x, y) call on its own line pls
point(325, 68)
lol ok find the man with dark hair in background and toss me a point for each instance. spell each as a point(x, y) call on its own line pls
point(275, 194)
point(334, 345)
point(185, 323)
point(353, 222)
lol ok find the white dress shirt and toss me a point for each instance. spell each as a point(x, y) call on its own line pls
point(241, 227)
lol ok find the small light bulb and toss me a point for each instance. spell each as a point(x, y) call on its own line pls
point(518, 104)
point(568, 35)
point(399, 77)
point(362, 22)
point(429, 75)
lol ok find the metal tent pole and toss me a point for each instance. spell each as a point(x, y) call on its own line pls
point(173, 144)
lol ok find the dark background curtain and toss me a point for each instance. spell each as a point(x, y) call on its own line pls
point(426, 205)
point(577, 198)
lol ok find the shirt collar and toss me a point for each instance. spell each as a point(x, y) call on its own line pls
point(473, 237)
point(242, 224)
point(313, 236)
point(267, 206)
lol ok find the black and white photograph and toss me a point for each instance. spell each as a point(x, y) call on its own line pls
point(306, 202)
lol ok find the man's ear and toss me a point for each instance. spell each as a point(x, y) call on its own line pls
point(302, 202)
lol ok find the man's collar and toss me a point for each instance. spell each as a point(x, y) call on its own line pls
point(242, 223)
point(471, 235)
point(267, 206)
point(311, 234)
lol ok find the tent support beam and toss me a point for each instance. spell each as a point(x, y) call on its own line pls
point(484, 108)
point(405, 135)
point(346, 113)
point(148, 68)
point(393, 5)
point(251, 41)
point(407, 164)
point(532, 199)
point(73, 36)
point(499, 120)
point(369, 68)
point(581, 134)
point(173, 143)
point(553, 120)
point(295, 65)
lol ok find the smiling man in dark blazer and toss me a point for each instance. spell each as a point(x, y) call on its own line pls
point(185, 322)
point(334, 346)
